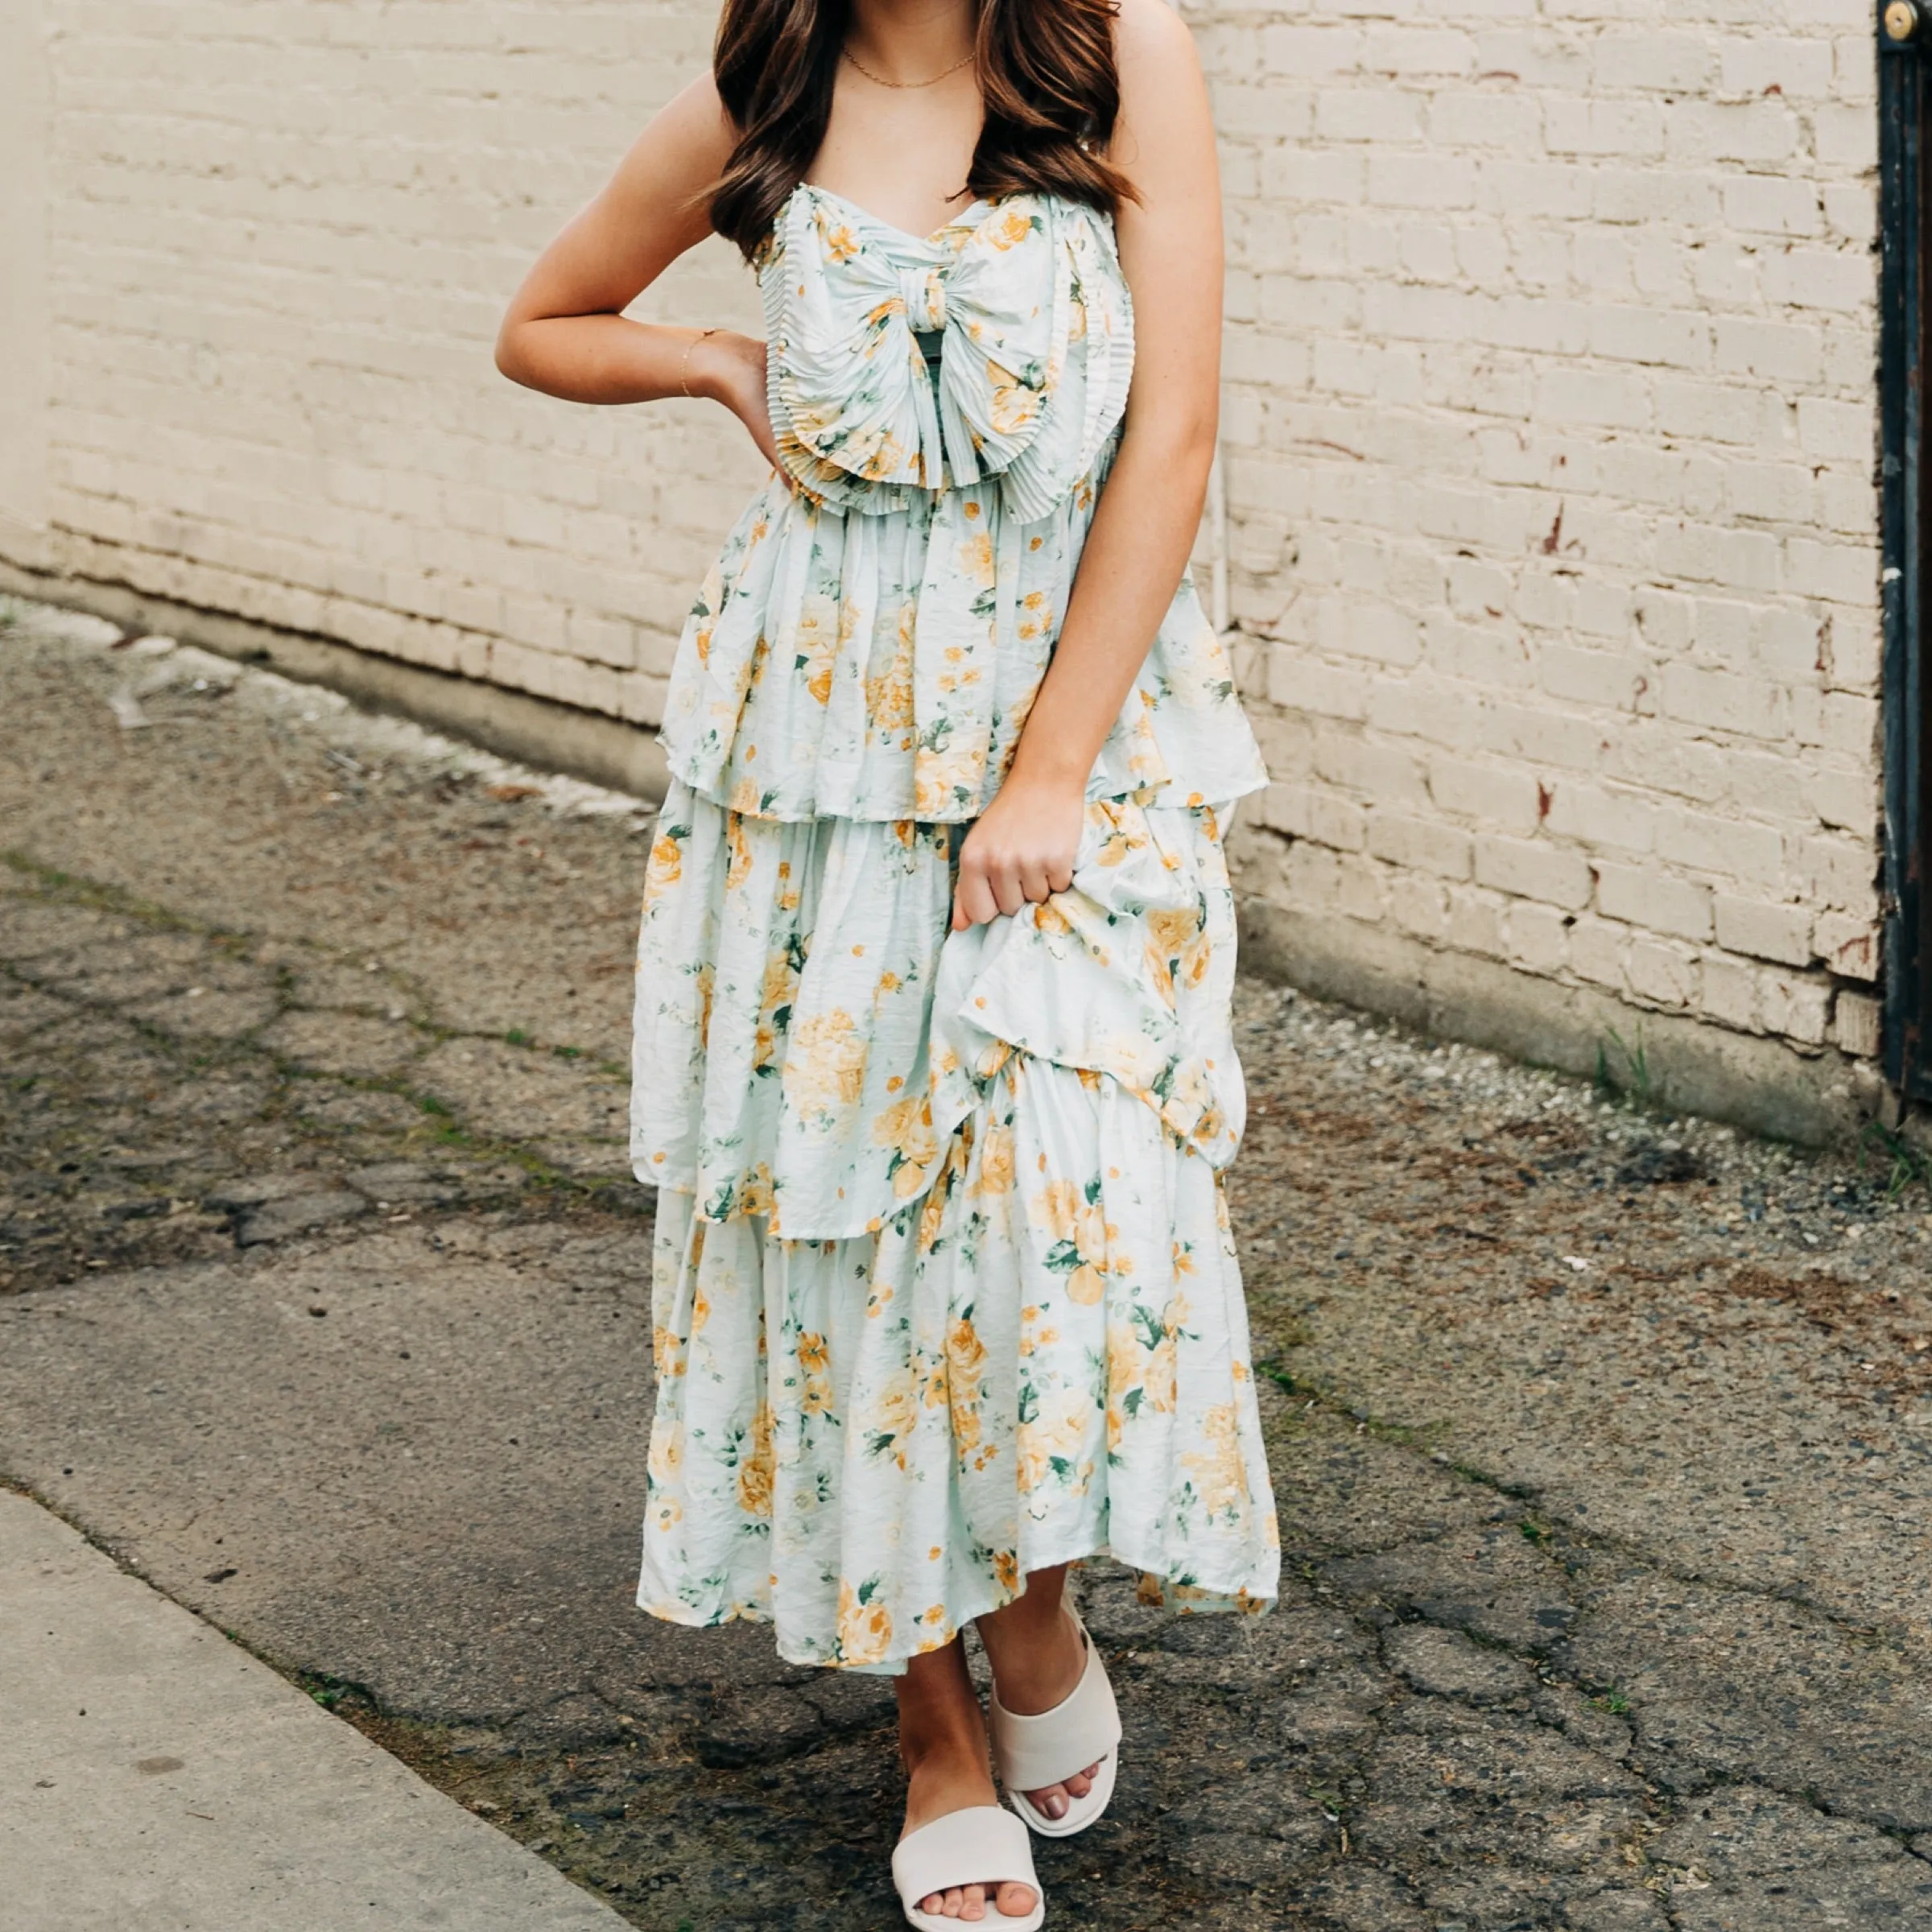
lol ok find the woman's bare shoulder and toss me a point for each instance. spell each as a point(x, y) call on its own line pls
point(692, 129)
point(1164, 137)
point(1147, 35)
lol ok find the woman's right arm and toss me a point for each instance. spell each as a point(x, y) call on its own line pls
point(565, 332)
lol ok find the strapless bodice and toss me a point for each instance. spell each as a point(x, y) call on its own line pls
point(1034, 327)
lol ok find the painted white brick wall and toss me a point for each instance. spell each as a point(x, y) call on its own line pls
point(281, 236)
point(1550, 440)
point(1548, 430)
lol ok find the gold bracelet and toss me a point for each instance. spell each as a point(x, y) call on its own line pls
point(684, 367)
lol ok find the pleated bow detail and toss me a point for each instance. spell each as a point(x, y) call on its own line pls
point(1009, 294)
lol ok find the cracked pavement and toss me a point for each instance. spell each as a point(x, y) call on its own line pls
point(1600, 1437)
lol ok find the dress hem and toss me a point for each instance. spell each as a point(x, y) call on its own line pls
point(1236, 1599)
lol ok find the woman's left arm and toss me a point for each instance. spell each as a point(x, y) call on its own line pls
point(1023, 846)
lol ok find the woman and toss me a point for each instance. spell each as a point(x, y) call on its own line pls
point(933, 1068)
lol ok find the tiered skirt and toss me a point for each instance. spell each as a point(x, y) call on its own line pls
point(943, 1289)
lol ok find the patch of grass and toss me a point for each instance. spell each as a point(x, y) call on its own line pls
point(333, 1692)
point(1903, 1162)
point(1612, 1700)
point(1283, 1378)
point(430, 1103)
point(1634, 1082)
point(518, 1037)
point(1539, 1533)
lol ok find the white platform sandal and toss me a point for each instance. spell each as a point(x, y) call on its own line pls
point(981, 1845)
point(1084, 1728)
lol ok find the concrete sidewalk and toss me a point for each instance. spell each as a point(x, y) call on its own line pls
point(152, 1773)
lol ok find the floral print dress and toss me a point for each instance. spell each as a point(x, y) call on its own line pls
point(944, 1289)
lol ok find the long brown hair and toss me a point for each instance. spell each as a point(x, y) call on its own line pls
point(1047, 76)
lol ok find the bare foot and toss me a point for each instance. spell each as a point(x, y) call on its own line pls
point(942, 1740)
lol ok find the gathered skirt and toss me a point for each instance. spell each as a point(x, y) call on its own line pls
point(943, 1289)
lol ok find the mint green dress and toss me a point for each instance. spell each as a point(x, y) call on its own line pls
point(943, 1289)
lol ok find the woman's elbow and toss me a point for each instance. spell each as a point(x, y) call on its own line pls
point(511, 359)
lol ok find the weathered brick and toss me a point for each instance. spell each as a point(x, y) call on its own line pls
point(1661, 971)
point(1849, 946)
point(1535, 938)
point(1799, 1009)
point(1856, 1024)
point(1476, 921)
point(1486, 793)
point(1763, 930)
point(1597, 951)
point(1820, 278)
point(1419, 906)
point(1649, 897)
point(1728, 991)
point(1703, 842)
point(1758, 64)
point(1442, 850)
point(1533, 869)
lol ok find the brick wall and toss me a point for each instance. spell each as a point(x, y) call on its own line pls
point(281, 233)
point(1548, 432)
point(1548, 435)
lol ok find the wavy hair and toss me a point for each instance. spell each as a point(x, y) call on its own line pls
point(1047, 76)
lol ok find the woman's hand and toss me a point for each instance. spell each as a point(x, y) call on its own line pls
point(1021, 851)
point(730, 368)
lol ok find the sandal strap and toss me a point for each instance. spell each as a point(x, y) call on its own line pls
point(984, 1844)
point(1030, 1752)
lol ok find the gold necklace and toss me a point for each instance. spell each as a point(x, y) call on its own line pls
point(883, 82)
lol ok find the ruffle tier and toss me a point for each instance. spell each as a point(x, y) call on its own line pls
point(1038, 1352)
point(810, 1033)
point(883, 668)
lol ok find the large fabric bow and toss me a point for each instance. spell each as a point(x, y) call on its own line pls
point(847, 298)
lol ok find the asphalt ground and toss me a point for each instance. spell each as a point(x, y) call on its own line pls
point(1599, 1437)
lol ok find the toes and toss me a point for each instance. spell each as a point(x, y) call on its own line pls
point(1056, 1801)
point(967, 1903)
point(1051, 1802)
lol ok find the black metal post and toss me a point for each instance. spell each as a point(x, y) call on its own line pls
point(1904, 31)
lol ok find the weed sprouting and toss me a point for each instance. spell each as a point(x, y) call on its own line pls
point(1635, 1084)
point(1905, 1163)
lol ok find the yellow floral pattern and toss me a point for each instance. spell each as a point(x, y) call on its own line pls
point(917, 615)
point(942, 1285)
